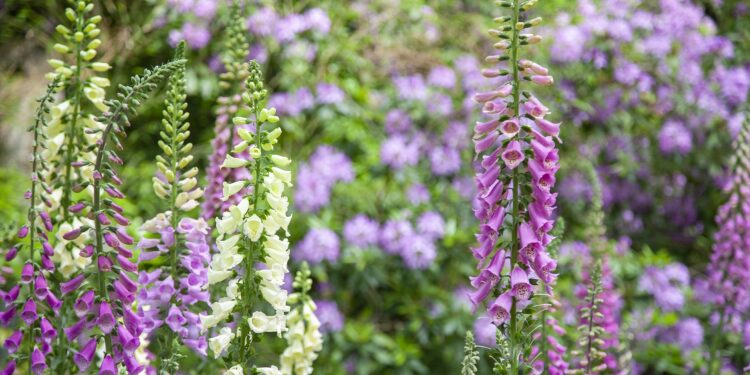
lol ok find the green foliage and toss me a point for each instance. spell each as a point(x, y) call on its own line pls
point(590, 341)
point(471, 356)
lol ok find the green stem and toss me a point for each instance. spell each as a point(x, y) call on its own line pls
point(173, 251)
point(713, 350)
point(515, 246)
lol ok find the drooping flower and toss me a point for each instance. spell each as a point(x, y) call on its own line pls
point(510, 181)
point(33, 297)
point(728, 281)
point(242, 245)
point(110, 274)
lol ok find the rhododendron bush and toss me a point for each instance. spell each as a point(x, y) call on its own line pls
point(375, 187)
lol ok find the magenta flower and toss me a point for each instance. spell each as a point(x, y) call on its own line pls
point(106, 319)
point(499, 311)
point(13, 342)
point(513, 155)
point(520, 287)
point(38, 363)
point(83, 358)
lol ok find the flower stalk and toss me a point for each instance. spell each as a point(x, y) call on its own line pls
point(510, 184)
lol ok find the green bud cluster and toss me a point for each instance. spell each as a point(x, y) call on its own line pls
point(180, 184)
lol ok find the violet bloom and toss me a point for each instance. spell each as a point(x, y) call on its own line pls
point(444, 161)
point(431, 224)
point(399, 152)
point(319, 244)
point(418, 252)
point(38, 362)
point(394, 235)
point(485, 332)
point(728, 281)
point(361, 231)
point(418, 194)
point(411, 87)
point(674, 137)
point(397, 122)
point(317, 178)
point(330, 317)
point(328, 93)
point(442, 76)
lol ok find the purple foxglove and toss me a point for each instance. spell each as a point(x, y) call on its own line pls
point(128, 342)
point(83, 358)
point(13, 342)
point(12, 294)
point(513, 155)
point(84, 303)
point(29, 314)
point(499, 310)
point(75, 330)
point(27, 273)
point(520, 287)
point(48, 331)
point(108, 366)
point(72, 284)
point(106, 320)
point(514, 193)
point(38, 363)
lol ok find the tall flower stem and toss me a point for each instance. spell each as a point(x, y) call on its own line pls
point(128, 100)
point(70, 130)
point(714, 348)
point(515, 245)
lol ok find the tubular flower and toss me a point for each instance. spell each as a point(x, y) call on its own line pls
point(252, 232)
point(600, 305)
point(515, 176)
point(172, 299)
point(33, 297)
point(105, 290)
point(74, 120)
point(227, 138)
point(304, 340)
point(728, 281)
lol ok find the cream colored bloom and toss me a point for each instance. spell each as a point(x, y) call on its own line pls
point(253, 228)
point(220, 342)
point(232, 189)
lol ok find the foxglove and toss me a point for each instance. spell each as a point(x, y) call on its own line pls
point(304, 339)
point(105, 290)
point(33, 301)
point(74, 126)
point(515, 178)
point(251, 234)
point(170, 298)
point(600, 305)
point(226, 131)
point(728, 281)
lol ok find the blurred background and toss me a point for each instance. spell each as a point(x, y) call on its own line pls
point(375, 102)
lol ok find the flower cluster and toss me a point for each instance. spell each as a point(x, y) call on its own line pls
point(416, 246)
point(662, 65)
point(728, 281)
point(666, 284)
point(304, 339)
point(406, 144)
point(316, 178)
point(170, 297)
point(195, 30)
point(515, 177)
point(249, 233)
point(74, 124)
point(105, 290)
point(226, 137)
point(33, 296)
